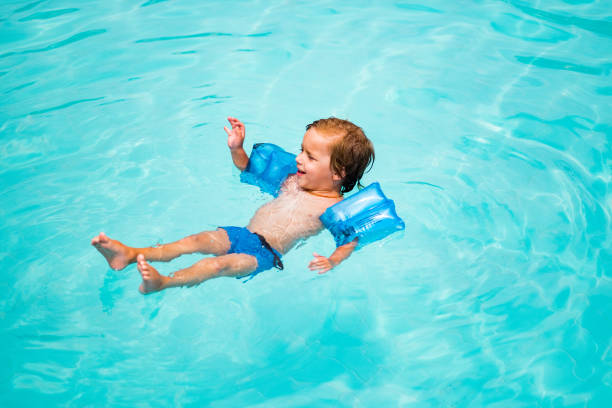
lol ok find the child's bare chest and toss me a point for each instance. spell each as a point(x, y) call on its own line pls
point(291, 216)
point(291, 211)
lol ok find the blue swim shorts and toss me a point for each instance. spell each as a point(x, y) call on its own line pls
point(244, 241)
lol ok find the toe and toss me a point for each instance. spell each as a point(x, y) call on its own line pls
point(96, 240)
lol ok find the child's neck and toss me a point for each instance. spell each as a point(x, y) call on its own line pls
point(326, 194)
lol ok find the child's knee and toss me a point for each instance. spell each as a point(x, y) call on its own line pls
point(218, 265)
point(195, 238)
point(234, 265)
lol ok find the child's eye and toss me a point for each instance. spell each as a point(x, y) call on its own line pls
point(307, 154)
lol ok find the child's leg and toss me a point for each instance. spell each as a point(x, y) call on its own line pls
point(119, 255)
point(207, 268)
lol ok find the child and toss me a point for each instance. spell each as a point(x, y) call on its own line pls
point(335, 153)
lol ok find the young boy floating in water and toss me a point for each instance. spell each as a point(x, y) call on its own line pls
point(335, 154)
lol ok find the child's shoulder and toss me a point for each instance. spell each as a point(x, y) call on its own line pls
point(290, 183)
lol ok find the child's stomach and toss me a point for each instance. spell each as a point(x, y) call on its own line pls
point(287, 219)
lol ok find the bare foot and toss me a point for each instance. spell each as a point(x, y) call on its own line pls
point(117, 255)
point(152, 281)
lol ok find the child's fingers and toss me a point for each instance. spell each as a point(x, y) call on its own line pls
point(318, 259)
point(320, 263)
point(235, 122)
point(325, 269)
point(227, 131)
point(314, 264)
point(238, 127)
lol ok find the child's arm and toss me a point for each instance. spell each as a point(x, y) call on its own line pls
point(235, 138)
point(323, 264)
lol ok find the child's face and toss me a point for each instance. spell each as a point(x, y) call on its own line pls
point(313, 163)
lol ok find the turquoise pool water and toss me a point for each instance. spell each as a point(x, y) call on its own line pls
point(492, 127)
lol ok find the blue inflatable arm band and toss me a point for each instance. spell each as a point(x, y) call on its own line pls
point(367, 215)
point(269, 165)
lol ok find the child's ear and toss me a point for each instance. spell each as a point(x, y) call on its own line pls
point(338, 177)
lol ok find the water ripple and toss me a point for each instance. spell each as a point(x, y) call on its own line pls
point(65, 105)
point(564, 65)
point(206, 97)
point(44, 15)
point(529, 30)
point(151, 2)
point(417, 7)
point(423, 183)
point(29, 6)
point(605, 90)
point(602, 27)
point(20, 87)
point(200, 35)
point(77, 37)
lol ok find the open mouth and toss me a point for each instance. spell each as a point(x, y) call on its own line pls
point(300, 173)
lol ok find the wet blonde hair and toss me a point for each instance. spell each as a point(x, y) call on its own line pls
point(351, 151)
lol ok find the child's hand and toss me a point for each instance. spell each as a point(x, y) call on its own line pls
point(320, 263)
point(235, 136)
